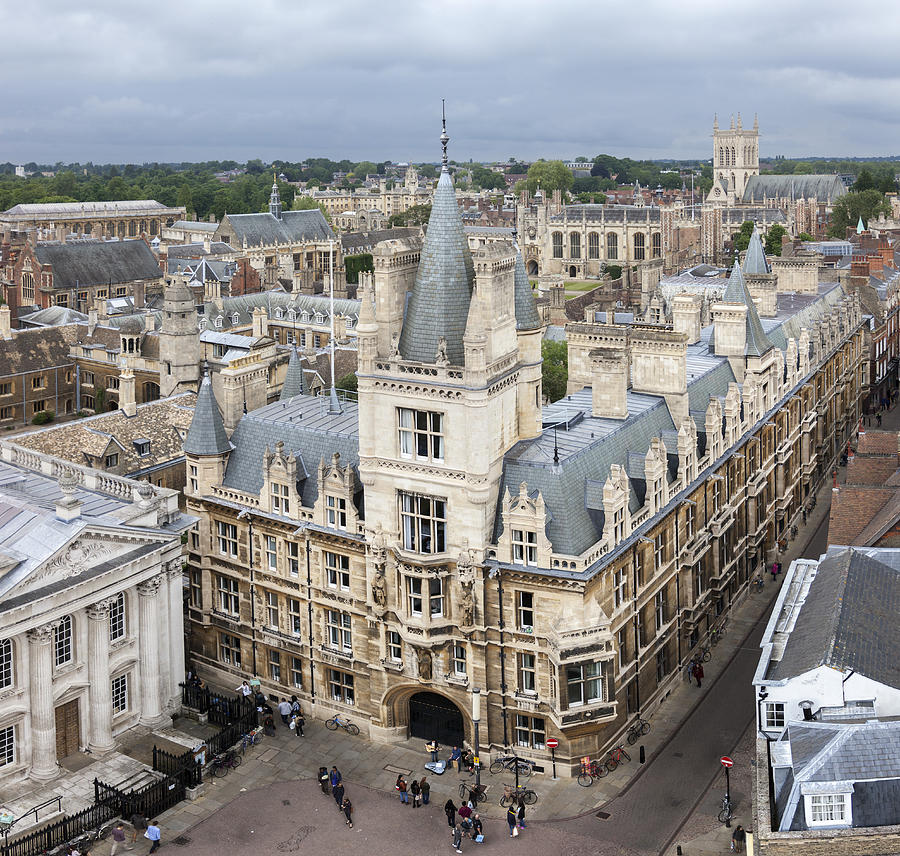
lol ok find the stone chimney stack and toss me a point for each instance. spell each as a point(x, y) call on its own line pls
point(207, 244)
point(260, 322)
point(5, 322)
point(686, 316)
point(730, 321)
point(609, 383)
point(127, 400)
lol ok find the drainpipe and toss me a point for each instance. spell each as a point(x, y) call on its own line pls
point(246, 515)
point(309, 609)
point(502, 656)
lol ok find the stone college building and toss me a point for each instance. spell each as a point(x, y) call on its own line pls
point(386, 556)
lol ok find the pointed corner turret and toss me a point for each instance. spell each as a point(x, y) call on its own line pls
point(207, 435)
point(527, 316)
point(294, 382)
point(755, 259)
point(757, 342)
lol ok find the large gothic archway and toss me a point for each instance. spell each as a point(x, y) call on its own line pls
point(434, 717)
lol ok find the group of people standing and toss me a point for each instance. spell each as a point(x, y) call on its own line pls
point(469, 823)
point(418, 789)
point(333, 783)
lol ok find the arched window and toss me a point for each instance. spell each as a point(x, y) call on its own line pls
point(132, 228)
point(575, 245)
point(62, 642)
point(733, 157)
point(6, 663)
point(27, 288)
point(154, 227)
point(612, 246)
point(639, 246)
point(143, 228)
point(111, 230)
point(593, 245)
point(121, 230)
point(656, 245)
point(151, 391)
point(721, 155)
point(557, 245)
point(117, 619)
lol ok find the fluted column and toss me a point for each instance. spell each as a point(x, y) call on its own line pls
point(43, 722)
point(101, 738)
point(148, 630)
point(176, 630)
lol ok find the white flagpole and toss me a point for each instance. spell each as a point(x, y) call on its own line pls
point(331, 295)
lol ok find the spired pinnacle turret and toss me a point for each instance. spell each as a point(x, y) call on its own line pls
point(275, 199)
point(439, 302)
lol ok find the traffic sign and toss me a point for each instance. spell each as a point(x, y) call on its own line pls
point(725, 761)
point(552, 743)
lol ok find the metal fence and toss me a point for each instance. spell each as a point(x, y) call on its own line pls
point(231, 734)
point(149, 801)
point(169, 764)
point(58, 832)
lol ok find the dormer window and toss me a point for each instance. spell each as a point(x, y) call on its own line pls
point(304, 316)
point(235, 318)
point(281, 504)
point(320, 318)
point(827, 810)
point(142, 447)
point(219, 321)
point(279, 314)
point(336, 512)
point(202, 324)
point(291, 315)
point(524, 544)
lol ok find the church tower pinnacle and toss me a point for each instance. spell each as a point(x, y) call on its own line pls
point(275, 199)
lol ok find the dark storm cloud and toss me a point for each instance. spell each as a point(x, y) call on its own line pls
point(192, 80)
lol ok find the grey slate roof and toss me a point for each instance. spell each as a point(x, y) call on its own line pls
point(294, 384)
point(737, 292)
point(206, 435)
point(527, 317)
point(824, 188)
point(608, 214)
point(848, 621)
point(98, 262)
point(439, 303)
point(359, 242)
point(755, 259)
point(265, 230)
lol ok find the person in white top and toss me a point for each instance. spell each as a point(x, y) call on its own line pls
point(244, 689)
point(284, 708)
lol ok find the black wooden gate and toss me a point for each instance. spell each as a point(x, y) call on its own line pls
point(433, 717)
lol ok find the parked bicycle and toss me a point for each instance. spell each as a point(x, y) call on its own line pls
point(512, 763)
point(637, 729)
point(472, 793)
point(225, 761)
point(716, 634)
point(513, 795)
point(342, 722)
point(705, 654)
point(85, 842)
point(616, 756)
point(251, 739)
point(726, 813)
point(757, 583)
point(591, 770)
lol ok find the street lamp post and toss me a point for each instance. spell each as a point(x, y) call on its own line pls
point(476, 719)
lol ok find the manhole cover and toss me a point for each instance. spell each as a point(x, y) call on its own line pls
point(603, 815)
point(392, 769)
point(181, 840)
point(285, 802)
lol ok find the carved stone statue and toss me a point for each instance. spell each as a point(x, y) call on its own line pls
point(440, 358)
point(379, 595)
point(379, 546)
point(465, 564)
point(395, 346)
point(424, 658)
point(467, 605)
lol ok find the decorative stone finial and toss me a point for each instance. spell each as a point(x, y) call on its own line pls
point(444, 138)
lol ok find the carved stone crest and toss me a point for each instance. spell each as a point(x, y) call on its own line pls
point(76, 559)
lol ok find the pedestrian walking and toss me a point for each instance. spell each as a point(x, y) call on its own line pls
point(425, 787)
point(477, 828)
point(698, 672)
point(118, 837)
point(244, 689)
point(520, 814)
point(138, 824)
point(450, 811)
point(738, 837)
point(334, 777)
point(457, 838)
point(297, 723)
point(154, 835)
point(337, 791)
point(324, 781)
point(347, 808)
point(511, 821)
point(416, 790)
point(284, 708)
point(456, 756)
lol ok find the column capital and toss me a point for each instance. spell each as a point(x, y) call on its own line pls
point(149, 588)
point(41, 635)
point(100, 610)
point(174, 568)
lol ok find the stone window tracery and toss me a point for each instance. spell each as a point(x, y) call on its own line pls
point(575, 245)
point(639, 250)
point(612, 246)
point(557, 245)
point(593, 245)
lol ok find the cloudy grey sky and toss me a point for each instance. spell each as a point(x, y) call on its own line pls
point(176, 80)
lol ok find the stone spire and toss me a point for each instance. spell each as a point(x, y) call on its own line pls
point(275, 200)
point(294, 382)
point(755, 259)
point(439, 302)
point(206, 435)
point(737, 292)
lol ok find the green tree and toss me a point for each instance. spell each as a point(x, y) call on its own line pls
point(555, 369)
point(354, 264)
point(307, 203)
point(805, 236)
point(614, 271)
point(849, 208)
point(487, 179)
point(549, 176)
point(773, 239)
point(741, 240)
point(864, 181)
point(364, 168)
point(348, 382)
point(416, 215)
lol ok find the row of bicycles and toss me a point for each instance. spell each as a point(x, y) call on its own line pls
point(598, 768)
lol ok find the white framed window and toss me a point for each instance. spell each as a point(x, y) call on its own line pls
point(230, 649)
point(689, 522)
point(117, 618)
point(297, 673)
point(275, 665)
point(530, 731)
point(524, 545)
point(227, 533)
point(229, 594)
point(423, 523)
point(659, 608)
point(119, 688)
point(62, 642)
point(193, 480)
point(619, 524)
point(525, 610)
point(340, 686)
point(337, 569)
point(339, 631)
point(394, 646)
point(293, 558)
point(659, 549)
point(421, 434)
point(436, 596)
point(336, 511)
point(458, 660)
point(6, 666)
point(281, 504)
point(774, 715)
point(272, 609)
point(584, 683)
point(827, 809)
point(294, 616)
point(272, 552)
point(527, 673)
point(622, 646)
point(196, 585)
point(620, 586)
point(414, 595)
point(7, 745)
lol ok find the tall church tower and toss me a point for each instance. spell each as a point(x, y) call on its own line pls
point(179, 342)
point(735, 159)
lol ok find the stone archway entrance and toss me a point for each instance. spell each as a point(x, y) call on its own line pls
point(431, 716)
point(573, 271)
point(532, 268)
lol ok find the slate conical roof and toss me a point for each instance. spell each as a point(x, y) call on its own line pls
point(527, 317)
point(294, 384)
point(737, 292)
point(439, 302)
point(755, 259)
point(207, 436)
